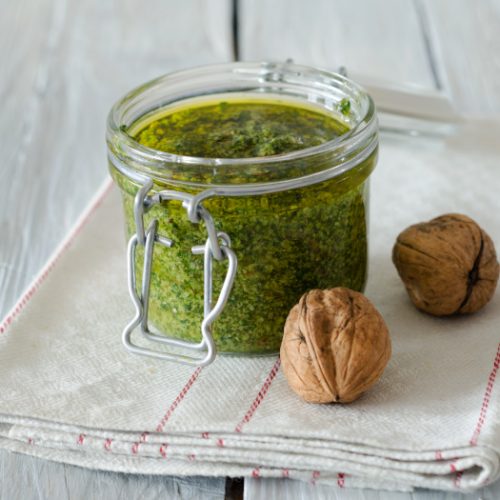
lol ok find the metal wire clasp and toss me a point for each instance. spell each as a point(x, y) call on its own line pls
point(217, 246)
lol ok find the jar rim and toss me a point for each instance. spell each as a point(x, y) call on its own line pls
point(123, 149)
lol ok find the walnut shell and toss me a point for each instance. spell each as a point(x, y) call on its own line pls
point(448, 265)
point(335, 346)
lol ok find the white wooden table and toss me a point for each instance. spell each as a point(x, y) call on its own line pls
point(63, 63)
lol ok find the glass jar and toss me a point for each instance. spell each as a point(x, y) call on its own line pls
point(277, 226)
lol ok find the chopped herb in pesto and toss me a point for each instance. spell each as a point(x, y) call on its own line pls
point(345, 106)
point(286, 242)
point(240, 130)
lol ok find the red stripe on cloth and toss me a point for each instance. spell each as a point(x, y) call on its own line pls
point(144, 436)
point(42, 276)
point(457, 474)
point(260, 396)
point(178, 399)
point(340, 479)
point(80, 439)
point(486, 399)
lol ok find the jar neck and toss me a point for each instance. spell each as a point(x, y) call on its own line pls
point(248, 175)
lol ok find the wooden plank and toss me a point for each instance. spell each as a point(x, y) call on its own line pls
point(30, 478)
point(378, 39)
point(466, 37)
point(62, 65)
point(283, 489)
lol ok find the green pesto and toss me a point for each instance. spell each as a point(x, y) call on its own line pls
point(240, 130)
point(286, 242)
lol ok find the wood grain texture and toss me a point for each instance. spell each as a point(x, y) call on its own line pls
point(381, 39)
point(283, 489)
point(30, 478)
point(446, 44)
point(466, 37)
point(62, 65)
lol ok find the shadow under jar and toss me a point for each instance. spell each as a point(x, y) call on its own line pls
point(296, 220)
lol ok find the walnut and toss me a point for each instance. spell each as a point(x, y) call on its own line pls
point(448, 265)
point(335, 346)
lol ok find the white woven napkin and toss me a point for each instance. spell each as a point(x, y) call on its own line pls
point(69, 391)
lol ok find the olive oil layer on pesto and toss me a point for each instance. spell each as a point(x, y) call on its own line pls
point(286, 242)
point(240, 130)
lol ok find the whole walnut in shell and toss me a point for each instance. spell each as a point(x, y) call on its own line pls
point(448, 265)
point(335, 346)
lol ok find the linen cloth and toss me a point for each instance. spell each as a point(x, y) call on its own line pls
point(69, 391)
